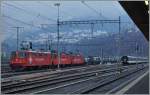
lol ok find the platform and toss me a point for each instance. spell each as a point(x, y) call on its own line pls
point(141, 87)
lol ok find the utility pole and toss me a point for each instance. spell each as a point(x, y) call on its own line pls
point(142, 52)
point(119, 39)
point(136, 50)
point(46, 42)
point(49, 43)
point(101, 55)
point(17, 28)
point(58, 4)
point(92, 28)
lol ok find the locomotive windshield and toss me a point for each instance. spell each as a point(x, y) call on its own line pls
point(13, 54)
point(22, 54)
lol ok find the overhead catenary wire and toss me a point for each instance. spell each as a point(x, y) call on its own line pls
point(83, 2)
point(29, 12)
point(8, 24)
point(24, 22)
point(19, 21)
point(62, 11)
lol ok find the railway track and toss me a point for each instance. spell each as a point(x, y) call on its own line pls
point(9, 77)
point(90, 84)
point(61, 72)
point(36, 75)
point(7, 71)
point(13, 73)
point(5, 68)
point(55, 81)
point(10, 73)
point(52, 72)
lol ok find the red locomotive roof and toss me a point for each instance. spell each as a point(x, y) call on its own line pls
point(32, 51)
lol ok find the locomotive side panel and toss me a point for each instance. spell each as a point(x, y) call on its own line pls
point(65, 59)
point(18, 60)
point(77, 59)
point(38, 59)
point(26, 59)
point(29, 59)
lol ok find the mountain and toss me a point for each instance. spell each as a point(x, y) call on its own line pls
point(77, 37)
point(92, 46)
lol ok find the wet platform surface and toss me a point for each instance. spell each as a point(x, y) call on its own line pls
point(142, 87)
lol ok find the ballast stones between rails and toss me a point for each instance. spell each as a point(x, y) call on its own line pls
point(39, 84)
point(10, 81)
point(80, 68)
point(89, 86)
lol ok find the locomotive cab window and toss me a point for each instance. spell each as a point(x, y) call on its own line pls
point(54, 56)
point(13, 54)
point(22, 54)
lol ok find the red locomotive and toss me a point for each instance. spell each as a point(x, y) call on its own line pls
point(30, 59)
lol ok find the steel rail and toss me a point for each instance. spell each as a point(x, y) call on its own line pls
point(88, 88)
point(72, 70)
point(107, 81)
point(38, 83)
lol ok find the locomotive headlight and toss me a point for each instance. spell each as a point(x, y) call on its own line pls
point(146, 2)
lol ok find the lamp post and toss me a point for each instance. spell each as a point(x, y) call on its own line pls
point(58, 4)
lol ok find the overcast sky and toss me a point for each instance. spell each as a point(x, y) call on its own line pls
point(31, 14)
point(46, 12)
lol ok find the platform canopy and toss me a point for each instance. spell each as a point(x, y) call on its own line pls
point(138, 11)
